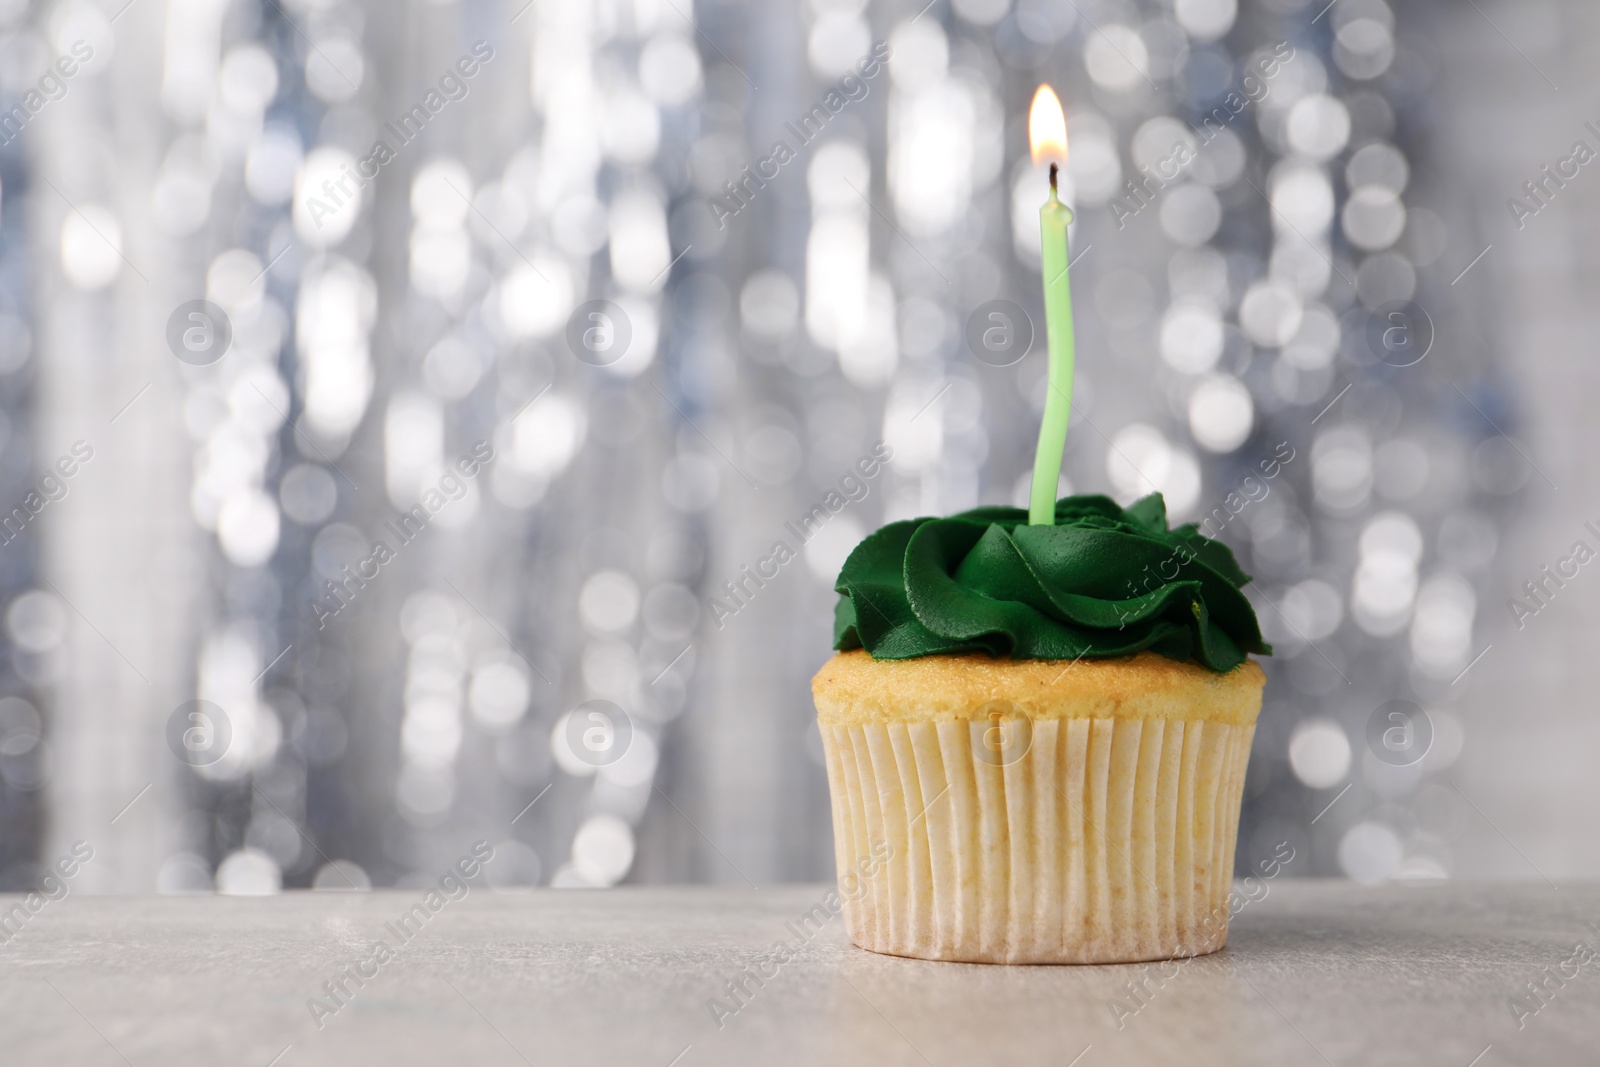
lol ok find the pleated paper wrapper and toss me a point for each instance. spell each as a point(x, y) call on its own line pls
point(1107, 840)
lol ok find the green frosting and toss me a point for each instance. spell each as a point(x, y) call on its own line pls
point(1103, 581)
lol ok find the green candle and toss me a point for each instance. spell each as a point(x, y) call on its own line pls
point(1047, 130)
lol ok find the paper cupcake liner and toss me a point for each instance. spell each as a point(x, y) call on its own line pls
point(1107, 840)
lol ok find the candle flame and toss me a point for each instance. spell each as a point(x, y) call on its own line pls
point(1047, 127)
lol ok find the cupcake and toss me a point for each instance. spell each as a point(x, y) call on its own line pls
point(1038, 734)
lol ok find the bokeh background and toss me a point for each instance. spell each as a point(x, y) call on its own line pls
point(1338, 280)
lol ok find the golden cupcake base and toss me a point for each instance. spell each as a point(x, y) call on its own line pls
point(980, 816)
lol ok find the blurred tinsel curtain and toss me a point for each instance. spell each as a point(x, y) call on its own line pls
point(1259, 226)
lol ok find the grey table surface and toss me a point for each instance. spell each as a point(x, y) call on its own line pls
point(1314, 972)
